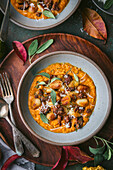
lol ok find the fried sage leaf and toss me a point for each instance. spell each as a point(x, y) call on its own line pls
point(68, 70)
point(40, 83)
point(108, 4)
point(44, 118)
point(44, 46)
point(55, 78)
point(93, 24)
point(48, 14)
point(33, 48)
point(53, 97)
point(76, 77)
point(44, 74)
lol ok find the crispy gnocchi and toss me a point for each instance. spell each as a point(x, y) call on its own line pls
point(61, 98)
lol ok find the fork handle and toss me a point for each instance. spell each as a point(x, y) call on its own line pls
point(32, 149)
point(5, 23)
point(17, 140)
point(17, 143)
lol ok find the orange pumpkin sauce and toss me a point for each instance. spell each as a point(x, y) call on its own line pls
point(75, 98)
point(34, 10)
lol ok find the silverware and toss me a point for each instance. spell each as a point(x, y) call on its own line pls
point(8, 97)
point(5, 23)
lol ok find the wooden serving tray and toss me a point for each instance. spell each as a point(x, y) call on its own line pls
point(15, 68)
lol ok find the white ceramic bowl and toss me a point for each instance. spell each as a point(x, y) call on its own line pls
point(98, 117)
point(100, 5)
point(33, 24)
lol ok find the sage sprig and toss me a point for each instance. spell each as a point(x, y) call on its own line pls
point(76, 77)
point(34, 49)
point(53, 93)
point(44, 74)
point(68, 70)
point(101, 153)
point(44, 46)
point(44, 118)
point(40, 83)
point(55, 78)
point(53, 97)
point(108, 4)
point(48, 14)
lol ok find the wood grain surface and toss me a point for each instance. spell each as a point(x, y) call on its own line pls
point(15, 68)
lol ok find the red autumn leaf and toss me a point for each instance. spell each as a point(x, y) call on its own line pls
point(20, 50)
point(75, 154)
point(63, 160)
point(9, 161)
point(93, 24)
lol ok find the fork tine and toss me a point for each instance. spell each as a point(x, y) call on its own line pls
point(4, 92)
point(1, 89)
point(10, 88)
point(6, 84)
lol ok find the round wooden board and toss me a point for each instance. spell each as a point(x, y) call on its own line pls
point(15, 68)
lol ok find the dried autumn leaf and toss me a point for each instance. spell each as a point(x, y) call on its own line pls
point(93, 24)
point(63, 160)
point(75, 154)
point(20, 50)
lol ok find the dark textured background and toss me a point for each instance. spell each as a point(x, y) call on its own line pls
point(72, 26)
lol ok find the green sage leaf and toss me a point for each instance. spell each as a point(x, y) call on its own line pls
point(40, 83)
point(107, 155)
point(98, 159)
point(98, 150)
point(44, 74)
point(108, 4)
point(53, 97)
point(55, 78)
point(44, 118)
point(76, 77)
point(44, 46)
point(48, 14)
point(68, 70)
point(33, 48)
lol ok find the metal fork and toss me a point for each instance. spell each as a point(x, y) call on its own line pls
point(8, 96)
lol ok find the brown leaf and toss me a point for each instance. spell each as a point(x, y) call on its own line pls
point(63, 160)
point(75, 154)
point(93, 24)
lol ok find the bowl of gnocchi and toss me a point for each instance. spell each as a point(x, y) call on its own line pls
point(41, 14)
point(63, 101)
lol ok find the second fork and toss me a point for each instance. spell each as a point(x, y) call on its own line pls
point(9, 97)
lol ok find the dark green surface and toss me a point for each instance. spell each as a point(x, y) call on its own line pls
point(72, 26)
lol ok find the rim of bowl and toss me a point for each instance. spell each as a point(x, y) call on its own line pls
point(58, 143)
point(47, 27)
point(102, 8)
